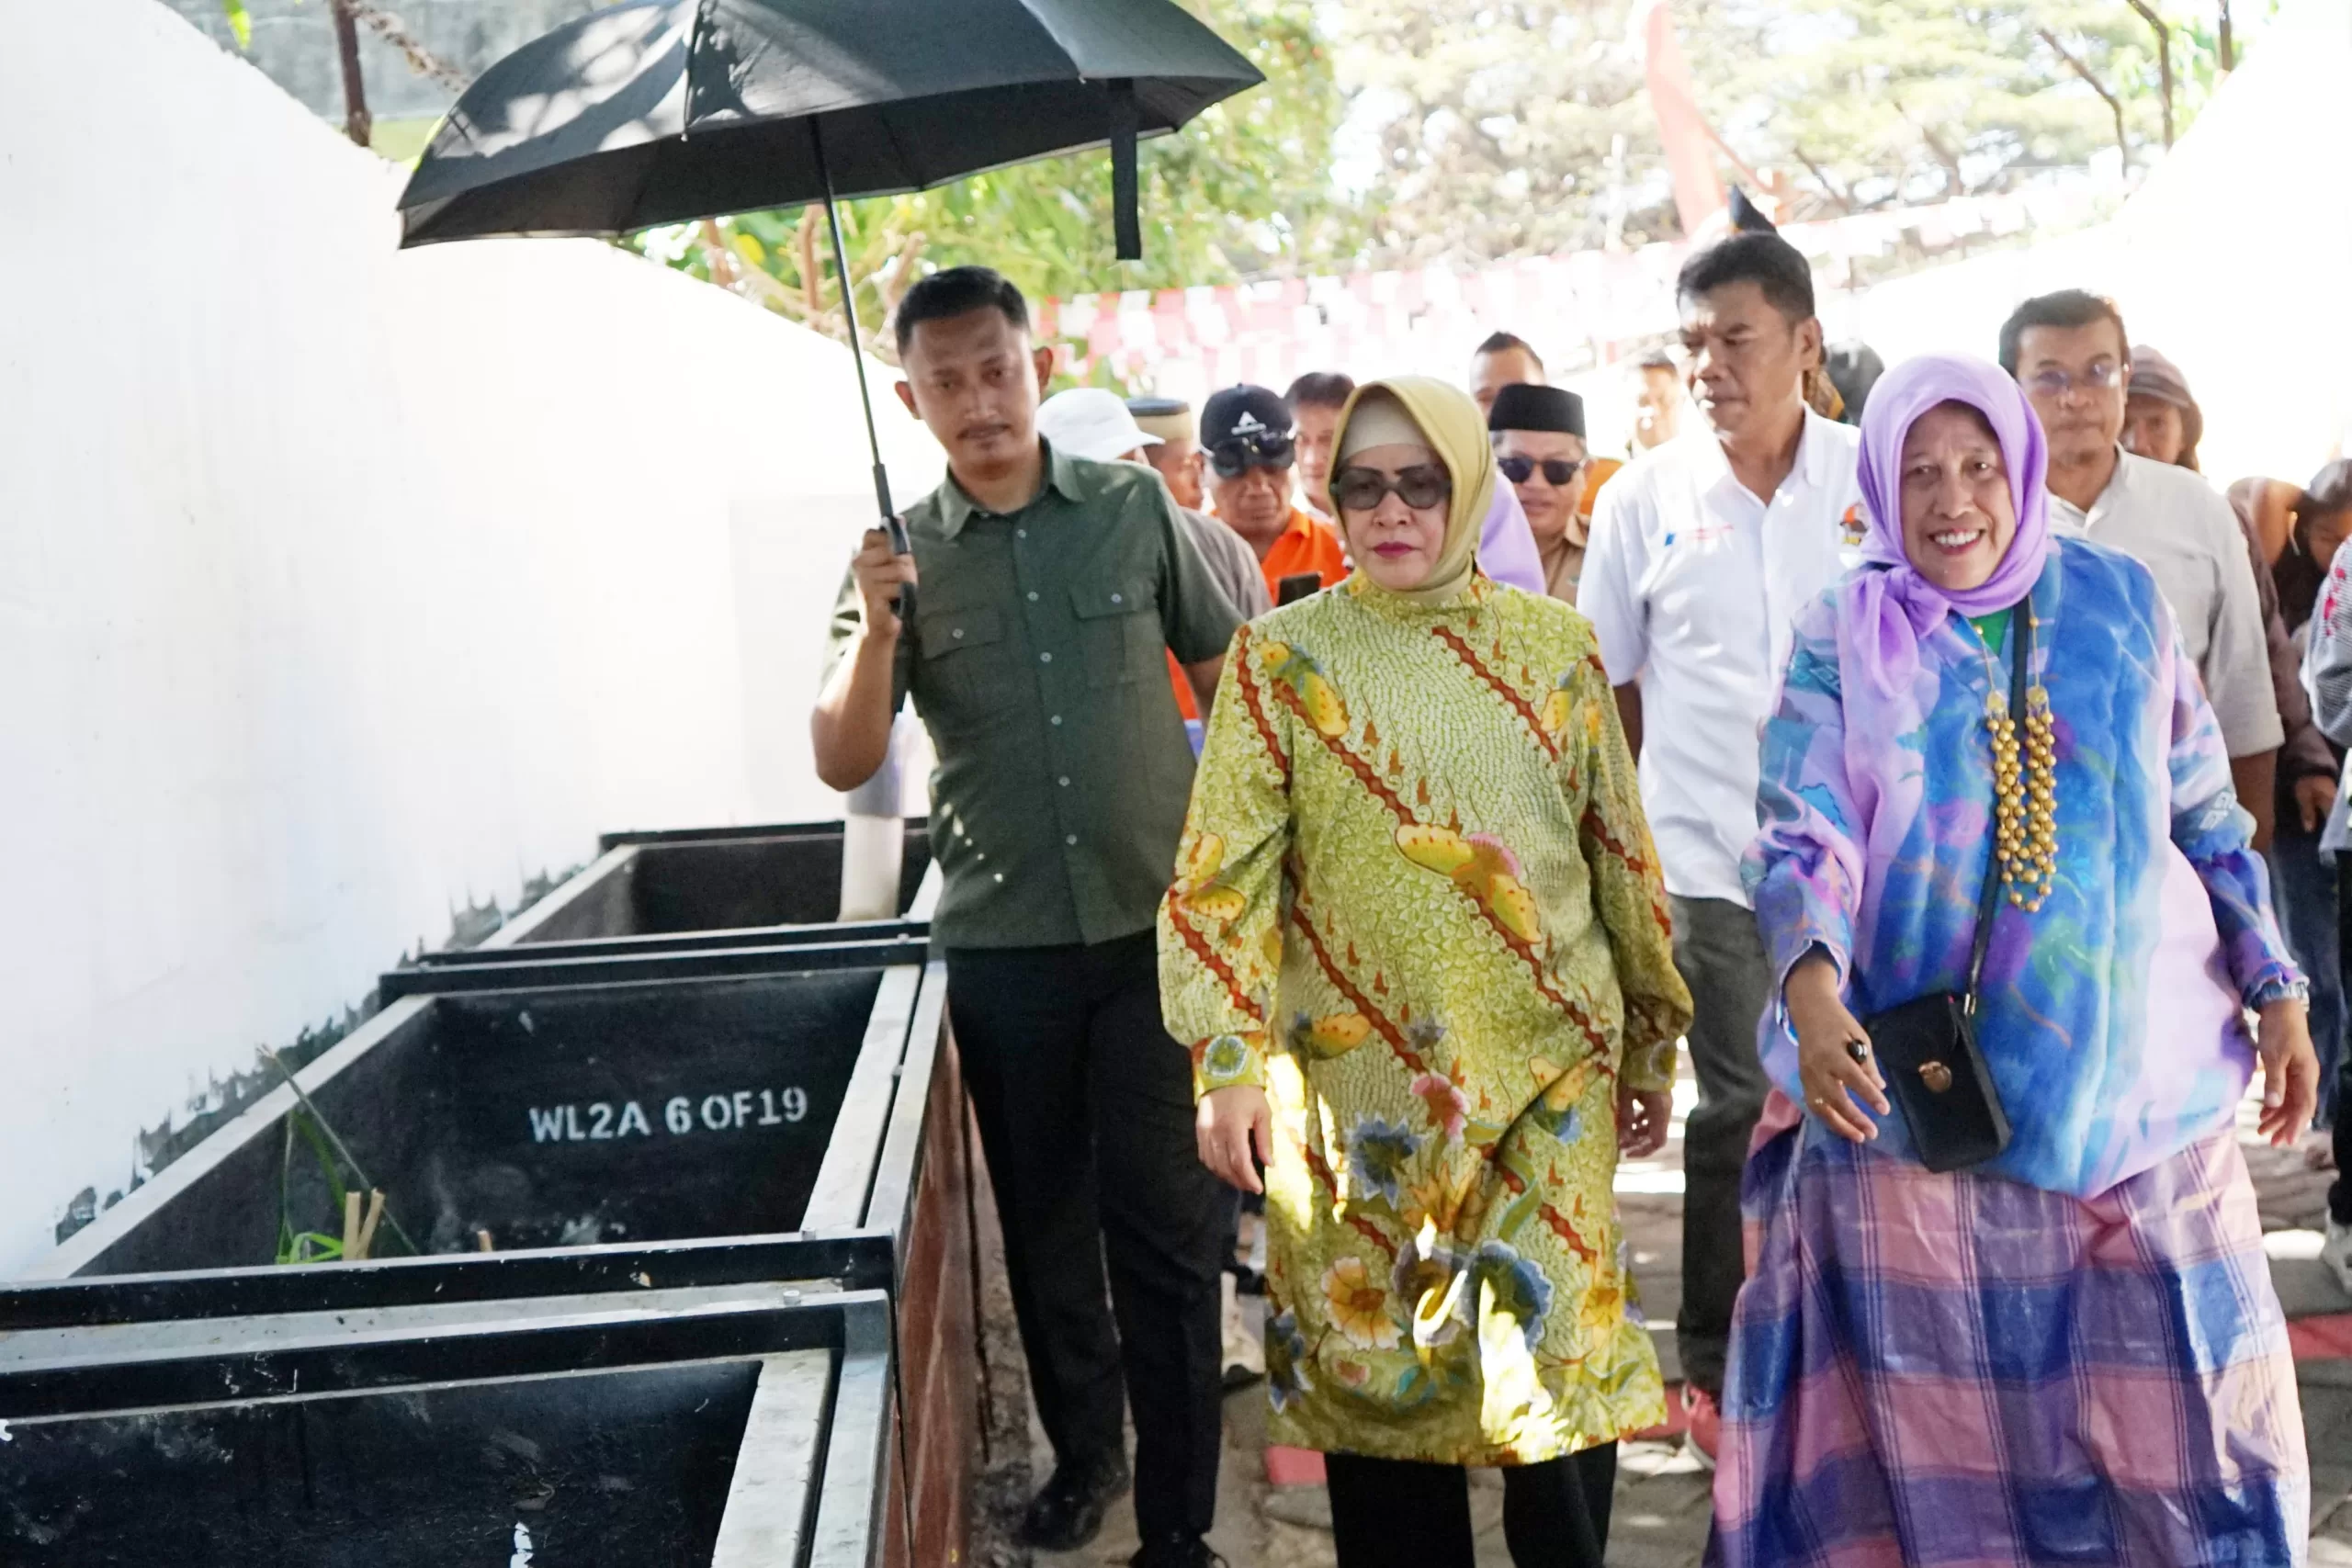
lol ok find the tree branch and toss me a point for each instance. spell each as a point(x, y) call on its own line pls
point(813, 286)
point(1844, 198)
point(2114, 104)
point(357, 123)
point(1935, 145)
point(894, 286)
point(2164, 60)
point(385, 26)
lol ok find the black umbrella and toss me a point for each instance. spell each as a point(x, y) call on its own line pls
point(662, 111)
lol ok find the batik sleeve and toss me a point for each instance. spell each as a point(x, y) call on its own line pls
point(1220, 924)
point(1628, 889)
point(1803, 871)
point(2214, 832)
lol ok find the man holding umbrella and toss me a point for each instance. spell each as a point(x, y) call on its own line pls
point(1049, 586)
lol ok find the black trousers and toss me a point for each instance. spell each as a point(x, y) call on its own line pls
point(1390, 1513)
point(2339, 1191)
point(1085, 1109)
point(1722, 960)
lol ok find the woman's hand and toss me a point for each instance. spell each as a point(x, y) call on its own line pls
point(1230, 1122)
point(1641, 1118)
point(1834, 1057)
point(2290, 1072)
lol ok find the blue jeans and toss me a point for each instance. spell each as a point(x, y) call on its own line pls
point(2303, 891)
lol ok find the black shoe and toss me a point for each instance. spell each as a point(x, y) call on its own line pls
point(1069, 1512)
point(1177, 1551)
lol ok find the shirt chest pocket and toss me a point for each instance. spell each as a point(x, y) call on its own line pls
point(962, 661)
point(1118, 631)
point(1710, 579)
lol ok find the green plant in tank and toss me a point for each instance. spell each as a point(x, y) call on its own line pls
point(307, 1247)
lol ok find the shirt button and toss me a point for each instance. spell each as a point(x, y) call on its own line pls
point(1033, 596)
point(1058, 719)
point(1071, 839)
point(958, 632)
point(1116, 600)
point(1021, 533)
point(1045, 659)
point(1065, 781)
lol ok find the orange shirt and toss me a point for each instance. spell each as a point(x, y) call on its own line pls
point(1305, 546)
point(1308, 544)
point(1598, 472)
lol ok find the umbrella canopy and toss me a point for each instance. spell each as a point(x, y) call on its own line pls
point(661, 111)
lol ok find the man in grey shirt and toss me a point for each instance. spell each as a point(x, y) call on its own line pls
point(2069, 352)
point(1087, 422)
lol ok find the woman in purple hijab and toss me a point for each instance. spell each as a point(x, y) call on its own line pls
point(2069, 1352)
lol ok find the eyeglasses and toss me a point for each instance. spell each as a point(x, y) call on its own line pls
point(1360, 489)
point(2105, 375)
point(1558, 471)
point(1238, 455)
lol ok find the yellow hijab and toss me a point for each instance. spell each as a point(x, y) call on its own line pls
point(1451, 426)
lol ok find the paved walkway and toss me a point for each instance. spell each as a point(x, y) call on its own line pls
point(1662, 1493)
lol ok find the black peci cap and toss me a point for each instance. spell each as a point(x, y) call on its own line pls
point(1524, 406)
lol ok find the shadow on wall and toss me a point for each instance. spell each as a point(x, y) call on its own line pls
point(224, 1100)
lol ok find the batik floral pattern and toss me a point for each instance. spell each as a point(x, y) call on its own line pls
point(1418, 903)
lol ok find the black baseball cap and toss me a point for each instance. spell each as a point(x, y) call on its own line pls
point(1522, 406)
point(1244, 412)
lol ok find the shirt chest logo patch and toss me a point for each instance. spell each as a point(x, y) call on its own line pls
point(1851, 529)
point(1691, 538)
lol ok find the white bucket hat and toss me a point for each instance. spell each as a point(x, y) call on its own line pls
point(1088, 422)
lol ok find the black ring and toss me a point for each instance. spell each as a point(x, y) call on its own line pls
point(1860, 1050)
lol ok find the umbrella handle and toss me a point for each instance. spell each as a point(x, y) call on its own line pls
point(899, 544)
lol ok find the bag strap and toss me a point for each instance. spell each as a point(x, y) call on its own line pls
point(1988, 900)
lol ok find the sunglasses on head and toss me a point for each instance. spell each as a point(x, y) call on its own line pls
point(1237, 455)
point(1360, 489)
point(1558, 471)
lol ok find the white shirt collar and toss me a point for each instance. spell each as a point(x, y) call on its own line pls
point(2118, 484)
point(1812, 469)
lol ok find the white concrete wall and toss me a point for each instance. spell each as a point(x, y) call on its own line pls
point(342, 587)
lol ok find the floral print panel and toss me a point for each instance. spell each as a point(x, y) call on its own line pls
point(1417, 903)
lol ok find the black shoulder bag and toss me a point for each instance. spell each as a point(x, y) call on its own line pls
point(1926, 1047)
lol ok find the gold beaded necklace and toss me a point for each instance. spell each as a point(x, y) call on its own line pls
point(2024, 799)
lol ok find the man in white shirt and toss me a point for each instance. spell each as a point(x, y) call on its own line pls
point(2069, 353)
point(1703, 551)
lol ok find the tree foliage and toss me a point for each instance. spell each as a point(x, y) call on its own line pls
point(1876, 101)
point(1509, 127)
point(1242, 191)
point(1496, 125)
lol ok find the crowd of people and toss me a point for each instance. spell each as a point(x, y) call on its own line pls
point(1356, 797)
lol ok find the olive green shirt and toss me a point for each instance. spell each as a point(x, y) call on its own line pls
point(1038, 662)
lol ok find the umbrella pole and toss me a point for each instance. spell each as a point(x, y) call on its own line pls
point(898, 530)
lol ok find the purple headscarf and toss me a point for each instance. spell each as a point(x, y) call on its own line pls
point(1891, 610)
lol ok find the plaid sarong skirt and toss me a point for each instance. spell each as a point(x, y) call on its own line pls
point(1958, 1370)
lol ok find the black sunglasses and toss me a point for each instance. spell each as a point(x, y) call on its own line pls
point(1556, 471)
point(1360, 489)
point(1237, 455)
